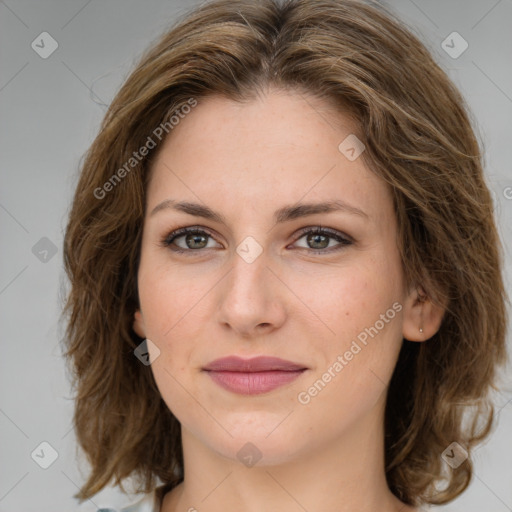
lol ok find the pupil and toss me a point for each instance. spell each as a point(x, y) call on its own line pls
point(195, 239)
point(315, 240)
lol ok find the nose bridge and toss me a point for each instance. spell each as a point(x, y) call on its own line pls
point(249, 277)
point(249, 297)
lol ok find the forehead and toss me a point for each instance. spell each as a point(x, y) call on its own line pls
point(282, 147)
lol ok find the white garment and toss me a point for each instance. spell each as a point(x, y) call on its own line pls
point(148, 503)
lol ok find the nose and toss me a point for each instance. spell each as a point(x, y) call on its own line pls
point(251, 298)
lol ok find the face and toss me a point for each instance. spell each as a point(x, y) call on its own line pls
point(262, 277)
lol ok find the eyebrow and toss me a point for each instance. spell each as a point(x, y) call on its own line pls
point(285, 214)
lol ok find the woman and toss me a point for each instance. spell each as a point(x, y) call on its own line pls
point(285, 273)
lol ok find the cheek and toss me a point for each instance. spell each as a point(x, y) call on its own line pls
point(167, 296)
point(173, 301)
point(168, 308)
point(351, 298)
point(363, 311)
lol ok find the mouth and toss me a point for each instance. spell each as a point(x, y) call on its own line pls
point(253, 376)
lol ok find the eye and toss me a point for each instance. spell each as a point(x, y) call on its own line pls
point(194, 239)
point(319, 240)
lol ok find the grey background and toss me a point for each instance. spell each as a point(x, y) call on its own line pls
point(50, 110)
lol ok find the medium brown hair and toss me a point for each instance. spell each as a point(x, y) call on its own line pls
point(419, 140)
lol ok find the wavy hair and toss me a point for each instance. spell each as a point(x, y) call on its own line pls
point(419, 139)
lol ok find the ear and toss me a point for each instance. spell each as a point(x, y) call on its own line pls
point(422, 318)
point(138, 324)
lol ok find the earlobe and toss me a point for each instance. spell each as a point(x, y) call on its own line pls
point(138, 324)
point(422, 318)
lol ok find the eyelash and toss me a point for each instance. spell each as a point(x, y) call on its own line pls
point(344, 241)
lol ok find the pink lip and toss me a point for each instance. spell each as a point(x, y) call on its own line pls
point(252, 376)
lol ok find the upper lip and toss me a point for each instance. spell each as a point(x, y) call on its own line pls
point(255, 364)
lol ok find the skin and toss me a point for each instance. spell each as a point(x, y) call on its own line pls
point(244, 161)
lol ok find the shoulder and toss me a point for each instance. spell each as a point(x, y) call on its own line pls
point(146, 503)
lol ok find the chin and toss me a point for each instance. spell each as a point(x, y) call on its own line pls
point(267, 443)
point(259, 450)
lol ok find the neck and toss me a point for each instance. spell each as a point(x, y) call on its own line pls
point(344, 475)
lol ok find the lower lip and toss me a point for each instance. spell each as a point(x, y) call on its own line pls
point(253, 383)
